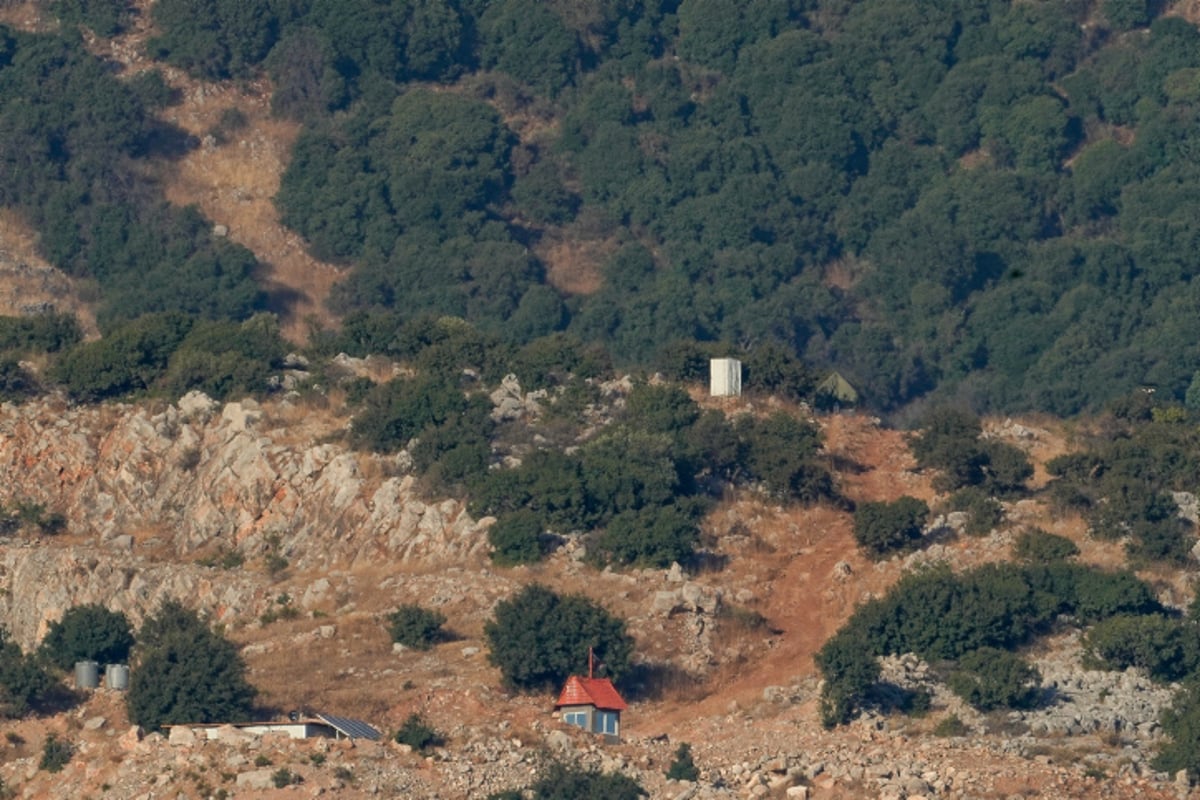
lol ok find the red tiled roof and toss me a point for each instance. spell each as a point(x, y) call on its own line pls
point(598, 692)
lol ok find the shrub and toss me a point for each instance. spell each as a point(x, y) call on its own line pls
point(883, 527)
point(516, 538)
point(683, 768)
point(1091, 594)
point(24, 682)
point(184, 671)
point(396, 411)
point(651, 537)
point(940, 615)
point(1005, 467)
point(16, 382)
point(560, 781)
point(1166, 648)
point(418, 734)
point(660, 408)
point(772, 367)
point(56, 753)
point(949, 442)
point(88, 633)
point(984, 513)
point(49, 332)
point(849, 666)
point(285, 777)
point(951, 726)
point(129, 359)
point(990, 678)
point(416, 627)
point(1181, 723)
point(780, 453)
point(538, 638)
point(1036, 546)
point(1126, 14)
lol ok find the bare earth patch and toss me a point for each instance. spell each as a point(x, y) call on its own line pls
point(29, 285)
point(234, 183)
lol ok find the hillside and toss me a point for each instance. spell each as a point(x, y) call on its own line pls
point(988, 203)
point(299, 302)
point(358, 543)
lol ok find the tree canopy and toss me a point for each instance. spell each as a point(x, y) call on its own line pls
point(539, 638)
point(989, 203)
point(184, 671)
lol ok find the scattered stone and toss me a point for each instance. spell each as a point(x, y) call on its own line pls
point(181, 736)
point(256, 780)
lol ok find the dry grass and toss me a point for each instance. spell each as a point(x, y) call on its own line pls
point(28, 282)
point(1188, 9)
point(234, 183)
point(574, 265)
point(26, 16)
point(845, 273)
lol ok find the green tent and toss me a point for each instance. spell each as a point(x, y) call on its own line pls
point(837, 390)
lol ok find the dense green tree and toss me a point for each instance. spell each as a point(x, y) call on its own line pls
point(214, 38)
point(1166, 648)
point(923, 199)
point(1126, 14)
point(1181, 723)
point(130, 359)
point(105, 17)
point(516, 538)
point(781, 451)
point(881, 528)
point(25, 684)
point(88, 633)
point(529, 41)
point(185, 672)
point(988, 678)
point(652, 537)
point(307, 84)
point(538, 638)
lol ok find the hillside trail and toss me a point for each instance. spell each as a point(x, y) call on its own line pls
point(816, 576)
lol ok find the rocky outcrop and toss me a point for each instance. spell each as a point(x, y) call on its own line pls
point(191, 478)
point(195, 475)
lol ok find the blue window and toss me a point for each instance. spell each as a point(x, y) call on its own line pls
point(606, 722)
point(579, 718)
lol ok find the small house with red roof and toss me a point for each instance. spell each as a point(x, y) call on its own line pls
point(592, 704)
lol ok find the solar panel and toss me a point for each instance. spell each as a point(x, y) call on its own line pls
point(354, 728)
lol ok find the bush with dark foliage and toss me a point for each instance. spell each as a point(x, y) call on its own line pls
point(539, 638)
point(185, 671)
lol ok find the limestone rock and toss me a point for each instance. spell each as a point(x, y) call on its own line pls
point(256, 780)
